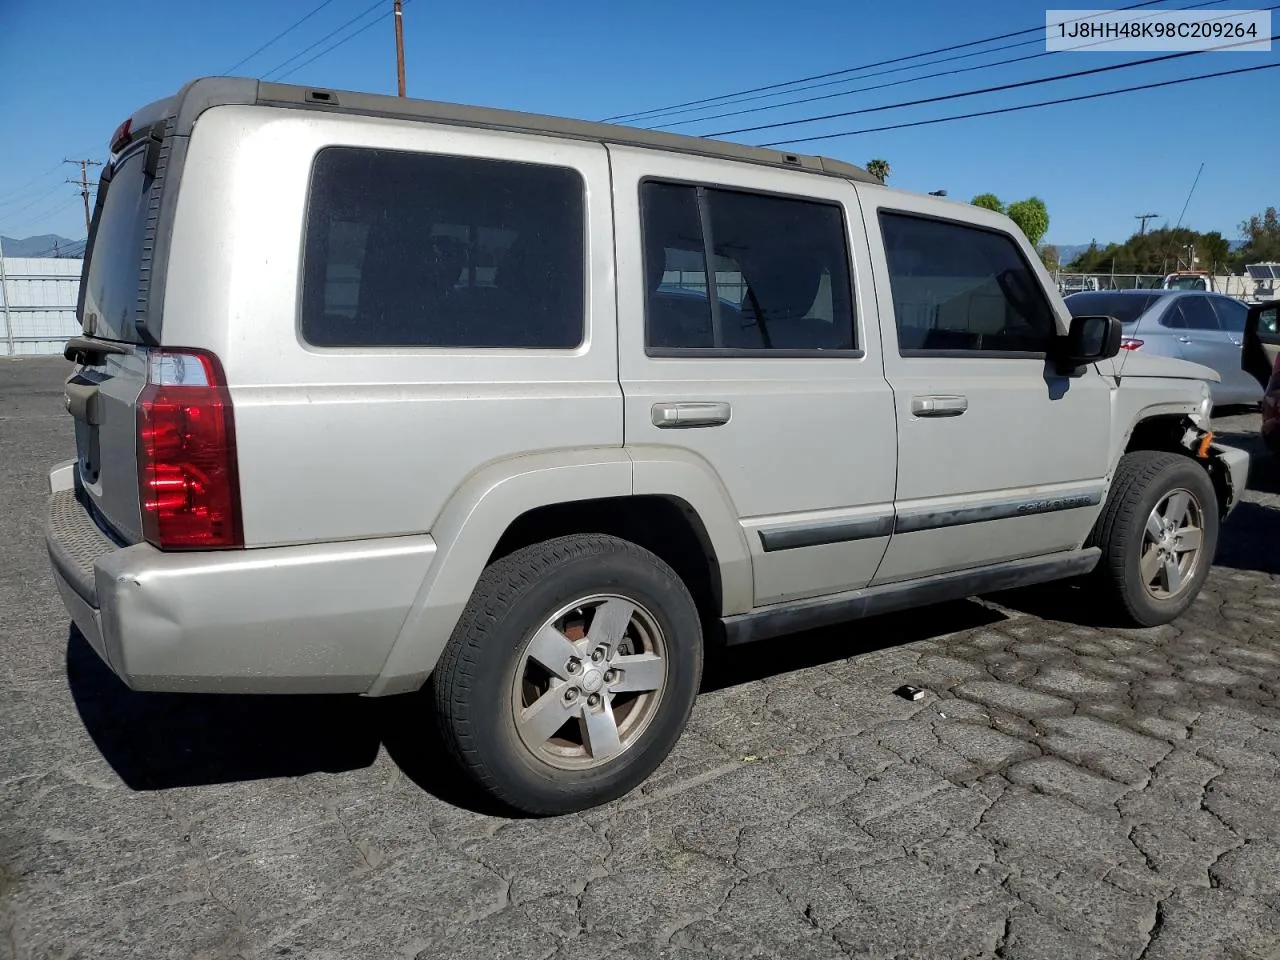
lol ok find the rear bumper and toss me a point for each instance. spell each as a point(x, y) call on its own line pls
point(303, 619)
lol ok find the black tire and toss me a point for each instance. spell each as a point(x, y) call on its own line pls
point(1143, 478)
point(473, 682)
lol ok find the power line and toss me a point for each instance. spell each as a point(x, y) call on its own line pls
point(1024, 106)
point(984, 90)
point(282, 33)
point(328, 36)
point(835, 73)
point(31, 203)
point(335, 46)
point(47, 214)
point(895, 83)
point(17, 192)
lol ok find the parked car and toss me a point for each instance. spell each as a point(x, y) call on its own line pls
point(1205, 328)
point(376, 393)
point(1261, 360)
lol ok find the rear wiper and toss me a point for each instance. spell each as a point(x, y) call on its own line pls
point(89, 351)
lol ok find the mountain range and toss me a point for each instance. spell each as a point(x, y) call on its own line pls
point(45, 245)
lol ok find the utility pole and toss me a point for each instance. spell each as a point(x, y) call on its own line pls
point(4, 295)
point(83, 184)
point(1143, 218)
point(399, 17)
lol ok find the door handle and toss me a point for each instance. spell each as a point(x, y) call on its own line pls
point(939, 406)
point(1234, 341)
point(690, 414)
point(1184, 339)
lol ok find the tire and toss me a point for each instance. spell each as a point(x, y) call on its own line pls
point(1144, 481)
point(495, 697)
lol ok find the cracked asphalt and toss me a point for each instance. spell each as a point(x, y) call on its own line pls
point(1063, 790)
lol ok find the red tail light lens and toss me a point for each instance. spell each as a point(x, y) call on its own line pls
point(1130, 343)
point(120, 139)
point(187, 472)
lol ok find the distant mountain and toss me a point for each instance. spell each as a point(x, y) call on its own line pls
point(46, 245)
point(1069, 251)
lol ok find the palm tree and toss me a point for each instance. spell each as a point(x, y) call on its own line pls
point(879, 169)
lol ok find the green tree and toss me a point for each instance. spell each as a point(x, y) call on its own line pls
point(988, 201)
point(1261, 235)
point(879, 169)
point(1032, 218)
point(1049, 257)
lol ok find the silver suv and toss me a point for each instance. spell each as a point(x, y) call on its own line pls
point(375, 394)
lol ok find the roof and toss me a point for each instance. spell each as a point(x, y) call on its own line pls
point(207, 92)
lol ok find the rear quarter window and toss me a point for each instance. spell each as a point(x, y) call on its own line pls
point(423, 250)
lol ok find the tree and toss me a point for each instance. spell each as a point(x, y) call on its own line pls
point(879, 169)
point(1261, 235)
point(988, 201)
point(1049, 257)
point(1032, 218)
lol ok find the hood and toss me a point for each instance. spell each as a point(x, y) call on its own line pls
point(1134, 363)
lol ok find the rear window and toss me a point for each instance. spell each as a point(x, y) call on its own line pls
point(1126, 308)
point(115, 255)
point(421, 250)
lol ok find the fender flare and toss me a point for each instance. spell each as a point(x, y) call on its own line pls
point(490, 500)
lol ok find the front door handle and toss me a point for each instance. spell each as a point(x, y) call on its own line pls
point(939, 406)
point(690, 414)
point(1184, 339)
point(1234, 341)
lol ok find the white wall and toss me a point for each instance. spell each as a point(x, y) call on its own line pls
point(40, 296)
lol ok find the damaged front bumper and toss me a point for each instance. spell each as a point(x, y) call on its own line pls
point(1228, 466)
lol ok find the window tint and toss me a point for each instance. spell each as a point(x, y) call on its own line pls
point(1191, 313)
point(406, 249)
point(1267, 321)
point(779, 274)
point(1125, 307)
point(1231, 314)
point(957, 287)
point(115, 250)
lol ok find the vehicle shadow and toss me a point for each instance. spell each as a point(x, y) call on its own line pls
point(159, 741)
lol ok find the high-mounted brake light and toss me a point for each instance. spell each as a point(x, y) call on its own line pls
point(188, 477)
point(1130, 343)
point(124, 133)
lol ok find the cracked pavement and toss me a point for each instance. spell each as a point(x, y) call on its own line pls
point(1064, 790)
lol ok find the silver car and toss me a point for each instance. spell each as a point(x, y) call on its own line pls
point(1206, 328)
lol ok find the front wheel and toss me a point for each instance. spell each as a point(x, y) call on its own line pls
point(571, 673)
point(1158, 532)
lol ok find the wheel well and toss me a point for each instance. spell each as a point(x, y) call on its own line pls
point(667, 526)
point(1168, 433)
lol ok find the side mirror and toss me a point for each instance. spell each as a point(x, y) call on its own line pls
point(1089, 340)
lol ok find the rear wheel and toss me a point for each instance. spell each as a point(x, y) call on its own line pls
point(571, 673)
point(1158, 532)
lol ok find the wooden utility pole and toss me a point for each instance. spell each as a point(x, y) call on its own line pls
point(1143, 218)
point(399, 16)
point(83, 184)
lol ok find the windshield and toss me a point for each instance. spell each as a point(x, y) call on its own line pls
point(1185, 283)
point(1125, 307)
point(115, 252)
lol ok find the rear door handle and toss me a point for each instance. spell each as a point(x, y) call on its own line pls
point(939, 406)
point(690, 414)
point(1234, 341)
point(1184, 339)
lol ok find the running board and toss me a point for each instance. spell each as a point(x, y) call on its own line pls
point(784, 618)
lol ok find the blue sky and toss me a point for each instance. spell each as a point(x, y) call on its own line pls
point(71, 71)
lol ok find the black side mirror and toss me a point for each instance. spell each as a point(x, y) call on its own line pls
point(1089, 340)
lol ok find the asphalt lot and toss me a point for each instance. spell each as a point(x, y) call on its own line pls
point(1063, 790)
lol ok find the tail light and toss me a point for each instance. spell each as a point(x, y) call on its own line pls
point(1130, 343)
point(187, 473)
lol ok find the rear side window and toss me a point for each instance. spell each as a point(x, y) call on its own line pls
point(778, 274)
point(419, 250)
point(964, 289)
point(1191, 313)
